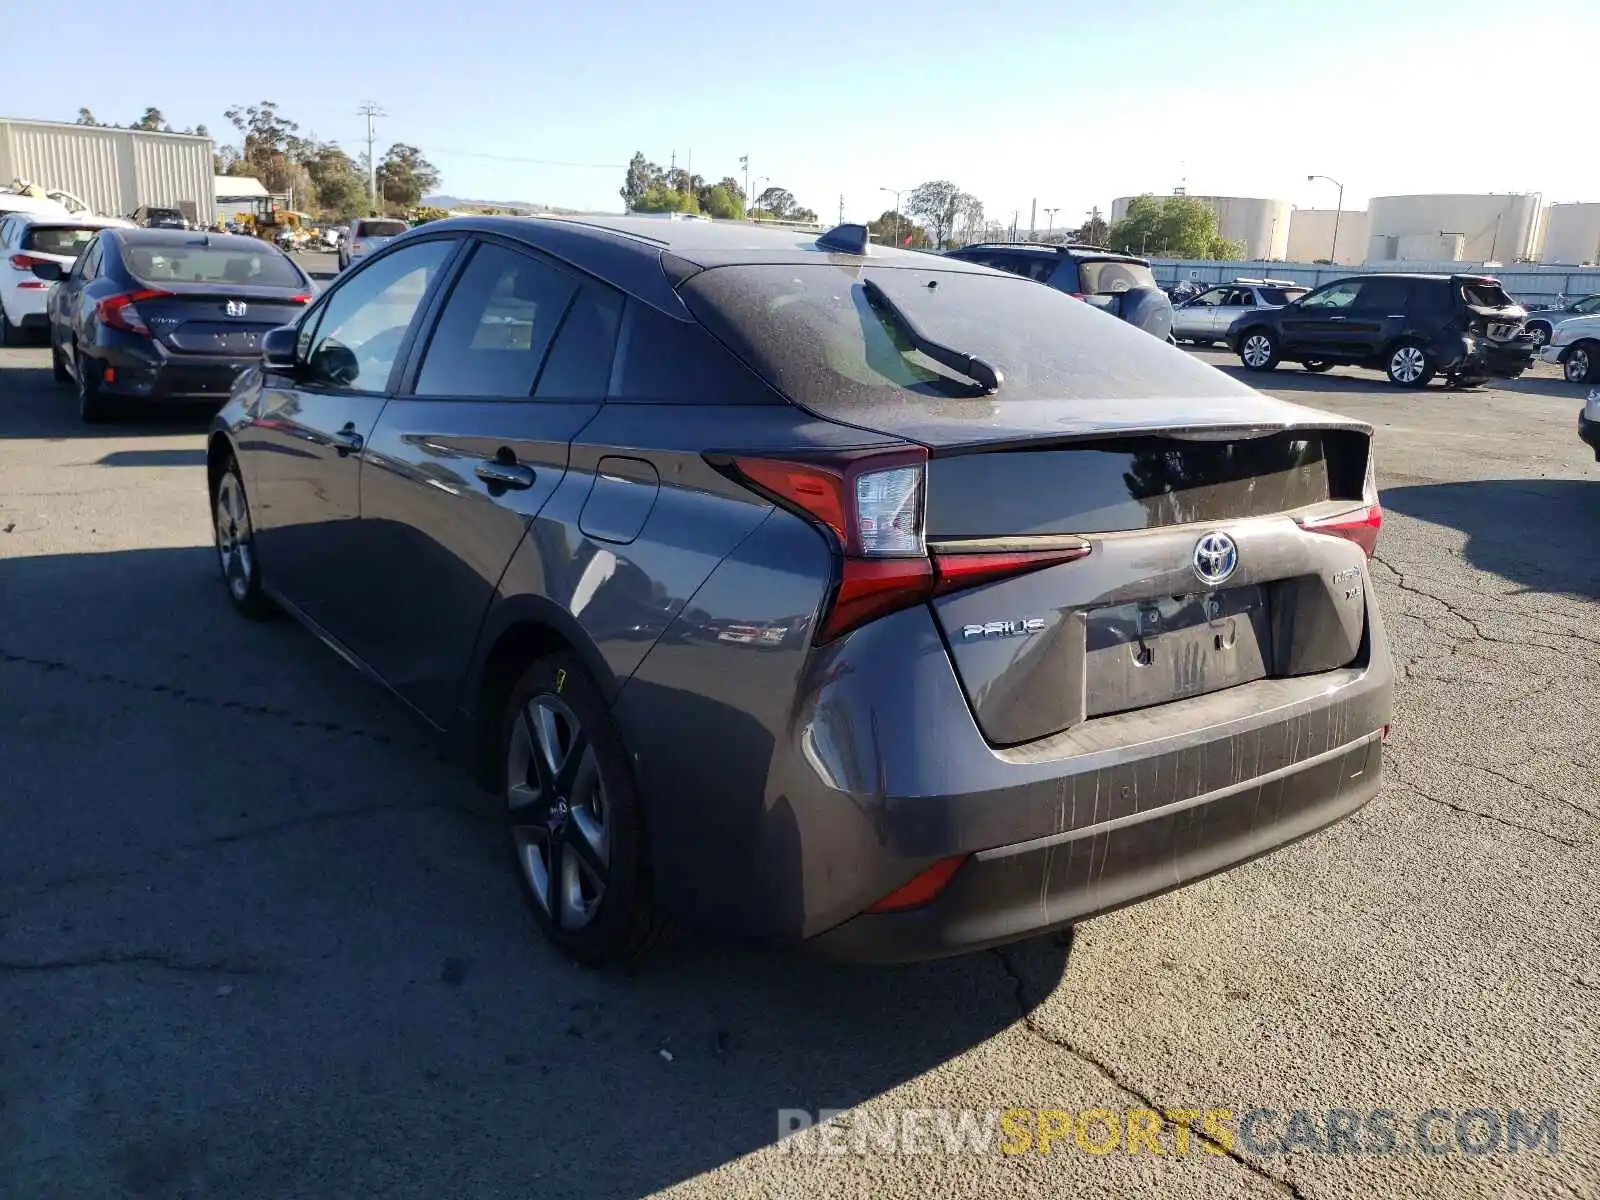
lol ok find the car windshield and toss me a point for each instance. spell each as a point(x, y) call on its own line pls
point(263, 267)
point(812, 331)
point(1281, 295)
point(58, 239)
point(1588, 304)
point(1099, 278)
point(380, 229)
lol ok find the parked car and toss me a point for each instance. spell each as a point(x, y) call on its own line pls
point(367, 235)
point(150, 217)
point(1575, 348)
point(27, 240)
point(1589, 422)
point(1018, 639)
point(1115, 283)
point(44, 206)
point(1205, 318)
point(1542, 323)
point(1411, 327)
point(164, 315)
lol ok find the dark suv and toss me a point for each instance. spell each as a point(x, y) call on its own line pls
point(1411, 327)
point(1118, 283)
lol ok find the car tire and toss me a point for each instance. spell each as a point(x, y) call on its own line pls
point(1581, 362)
point(233, 534)
point(1540, 331)
point(58, 364)
point(10, 335)
point(93, 407)
point(1258, 350)
point(574, 822)
point(1202, 341)
point(1409, 365)
point(1316, 365)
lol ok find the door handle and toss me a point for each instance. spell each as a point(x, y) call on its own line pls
point(1338, 318)
point(505, 474)
point(346, 441)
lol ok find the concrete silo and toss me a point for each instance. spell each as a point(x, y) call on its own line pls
point(1462, 228)
point(1260, 226)
point(1571, 234)
point(1311, 235)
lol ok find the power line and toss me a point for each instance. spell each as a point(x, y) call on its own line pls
point(516, 158)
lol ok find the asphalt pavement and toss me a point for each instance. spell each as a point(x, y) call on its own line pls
point(258, 940)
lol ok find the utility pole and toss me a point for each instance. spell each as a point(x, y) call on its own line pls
point(1050, 220)
point(841, 208)
point(744, 161)
point(1033, 220)
point(370, 110)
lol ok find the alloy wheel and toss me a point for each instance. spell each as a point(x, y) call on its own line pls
point(1539, 335)
point(1407, 364)
point(1257, 350)
point(558, 811)
point(1577, 365)
point(235, 547)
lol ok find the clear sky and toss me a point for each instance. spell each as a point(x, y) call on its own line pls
point(1070, 104)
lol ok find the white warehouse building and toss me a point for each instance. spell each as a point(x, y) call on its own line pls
point(1260, 226)
point(1571, 234)
point(1311, 236)
point(113, 170)
point(1453, 228)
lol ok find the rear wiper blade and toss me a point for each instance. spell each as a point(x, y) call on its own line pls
point(979, 372)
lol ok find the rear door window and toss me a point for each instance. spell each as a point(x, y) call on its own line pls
point(1280, 296)
point(491, 338)
point(1385, 296)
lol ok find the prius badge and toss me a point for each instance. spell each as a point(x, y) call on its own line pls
point(1002, 629)
point(235, 308)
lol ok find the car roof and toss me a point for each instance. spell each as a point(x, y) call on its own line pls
point(81, 220)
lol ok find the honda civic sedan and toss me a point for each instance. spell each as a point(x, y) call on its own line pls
point(810, 591)
point(146, 315)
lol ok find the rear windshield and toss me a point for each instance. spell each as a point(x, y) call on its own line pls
point(1280, 295)
point(1100, 278)
point(377, 229)
point(264, 267)
point(1486, 295)
point(58, 239)
point(810, 331)
point(163, 214)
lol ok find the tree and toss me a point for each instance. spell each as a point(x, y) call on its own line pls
point(151, 121)
point(404, 176)
point(1093, 232)
point(641, 175)
point(777, 203)
point(341, 190)
point(1175, 226)
point(723, 203)
point(937, 202)
point(897, 229)
point(85, 117)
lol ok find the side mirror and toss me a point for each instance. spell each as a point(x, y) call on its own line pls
point(50, 272)
point(278, 347)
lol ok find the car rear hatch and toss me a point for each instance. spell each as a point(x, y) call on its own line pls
point(371, 236)
point(214, 298)
point(1111, 524)
point(1491, 312)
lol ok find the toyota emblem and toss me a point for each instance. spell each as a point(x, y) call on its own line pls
point(1215, 557)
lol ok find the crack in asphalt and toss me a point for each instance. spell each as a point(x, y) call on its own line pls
point(134, 958)
point(1113, 1077)
point(1398, 778)
point(185, 696)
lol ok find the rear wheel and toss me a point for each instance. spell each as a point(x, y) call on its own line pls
point(1539, 331)
point(1316, 365)
point(1578, 364)
point(93, 408)
point(10, 335)
point(1258, 350)
point(576, 830)
point(1409, 365)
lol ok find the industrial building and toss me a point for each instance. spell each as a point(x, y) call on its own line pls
point(1571, 234)
point(1453, 228)
point(114, 170)
point(1260, 226)
point(1312, 236)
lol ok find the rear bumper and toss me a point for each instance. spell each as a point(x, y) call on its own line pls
point(146, 372)
point(26, 306)
point(1033, 887)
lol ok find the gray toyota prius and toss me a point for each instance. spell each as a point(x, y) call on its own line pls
point(808, 590)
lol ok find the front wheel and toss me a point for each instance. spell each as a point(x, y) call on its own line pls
point(1316, 365)
point(1259, 350)
point(577, 835)
point(1409, 366)
point(235, 539)
point(1579, 363)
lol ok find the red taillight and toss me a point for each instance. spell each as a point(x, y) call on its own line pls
point(923, 888)
point(302, 298)
point(1361, 527)
point(27, 262)
point(872, 504)
point(119, 312)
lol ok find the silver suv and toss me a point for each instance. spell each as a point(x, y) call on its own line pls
point(368, 234)
point(1205, 319)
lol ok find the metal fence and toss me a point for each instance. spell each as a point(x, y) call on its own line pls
point(1528, 282)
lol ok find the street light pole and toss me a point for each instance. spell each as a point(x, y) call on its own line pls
point(1050, 220)
point(1333, 252)
point(895, 192)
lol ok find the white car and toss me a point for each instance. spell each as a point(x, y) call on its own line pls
point(1575, 348)
point(30, 238)
point(368, 234)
